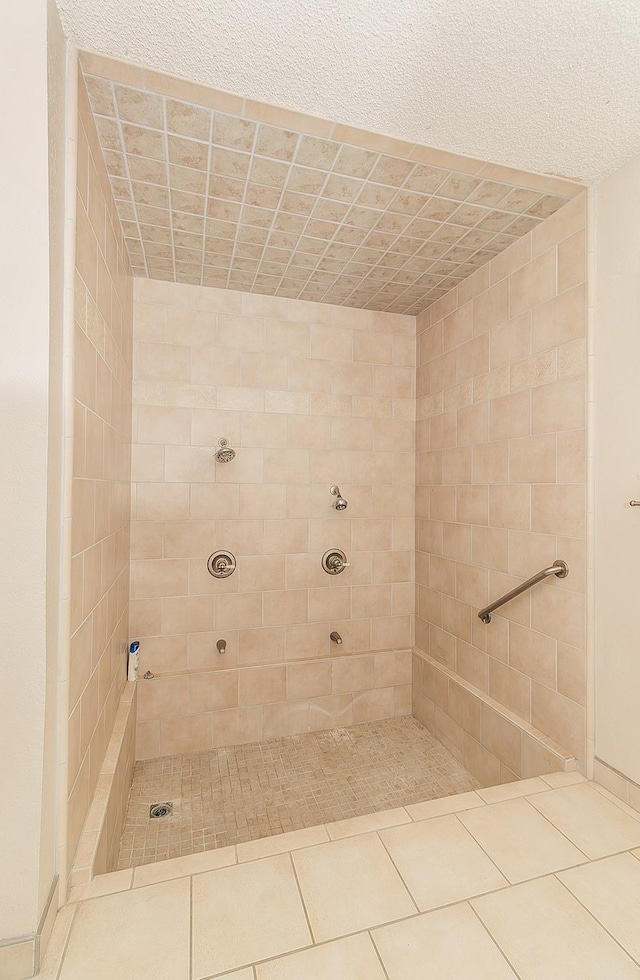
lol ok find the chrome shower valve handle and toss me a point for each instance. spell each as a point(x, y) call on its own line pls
point(339, 565)
point(335, 561)
point(221, 564)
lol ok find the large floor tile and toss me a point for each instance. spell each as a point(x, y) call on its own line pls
point(142, 933)
point(353, 958)
point(440, 862)
point(246, 913)
point(350, 885)
point(547, 935)
point(610, 889)
point(449, 943)
point(597, 826)
point(521, 842)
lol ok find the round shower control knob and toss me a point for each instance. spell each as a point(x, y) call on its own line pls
point(221, 564)
point(334, 561)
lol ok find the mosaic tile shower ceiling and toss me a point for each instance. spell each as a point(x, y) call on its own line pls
point(211, 197)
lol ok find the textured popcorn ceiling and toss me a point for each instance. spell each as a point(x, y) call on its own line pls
point(544, 85)
point(217, 191)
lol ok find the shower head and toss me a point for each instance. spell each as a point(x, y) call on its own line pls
point(224, 453)
point(341, 503)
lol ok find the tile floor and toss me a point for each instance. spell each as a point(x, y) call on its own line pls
point(231, 795)
point(538, 879)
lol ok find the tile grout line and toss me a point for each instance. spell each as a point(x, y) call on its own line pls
point(324, 818)
point(378, 954)
point(596, 919)
point(549, 821)
point(406, 918)
point(304, 906)
point(492, 938)
point(444, 274)
point(615, 800)
point(483, 849)
point(398, 872)
point(552, 825)
point(65, 946)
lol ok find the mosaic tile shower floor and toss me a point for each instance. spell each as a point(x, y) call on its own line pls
point(243, 792)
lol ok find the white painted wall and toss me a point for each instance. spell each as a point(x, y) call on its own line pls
point(27, 721)
point(617, 475)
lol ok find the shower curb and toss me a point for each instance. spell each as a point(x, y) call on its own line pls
point(97, 850)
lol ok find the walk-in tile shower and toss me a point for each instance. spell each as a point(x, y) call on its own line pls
point(329, 402)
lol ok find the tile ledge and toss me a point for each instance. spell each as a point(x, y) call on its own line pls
point(568, 760)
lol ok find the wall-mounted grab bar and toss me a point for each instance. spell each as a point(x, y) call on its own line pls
point(559, 568)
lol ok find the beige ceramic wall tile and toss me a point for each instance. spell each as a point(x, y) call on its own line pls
point(102, 391)
point(522, 425)
point(272, 508)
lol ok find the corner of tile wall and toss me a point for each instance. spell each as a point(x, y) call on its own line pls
point(494, 744)
point(501, 477)
point(615, 782)
point(101, 467)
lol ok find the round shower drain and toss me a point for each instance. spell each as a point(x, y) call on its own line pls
point(160, 810)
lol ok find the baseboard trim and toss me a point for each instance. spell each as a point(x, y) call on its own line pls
point(617, 783)
point(22, 956)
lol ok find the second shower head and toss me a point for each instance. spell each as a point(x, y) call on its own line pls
point(224, 453)
point(341, 503)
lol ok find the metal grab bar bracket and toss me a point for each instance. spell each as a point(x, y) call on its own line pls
point(559, 569)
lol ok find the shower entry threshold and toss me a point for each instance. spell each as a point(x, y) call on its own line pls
point(241, 793)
